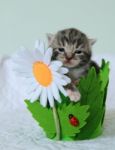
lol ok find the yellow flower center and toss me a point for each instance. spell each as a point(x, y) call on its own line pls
point(42, 73)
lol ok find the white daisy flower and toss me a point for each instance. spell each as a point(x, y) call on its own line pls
point(44, 78)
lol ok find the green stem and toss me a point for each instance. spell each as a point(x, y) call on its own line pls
point(57, 123)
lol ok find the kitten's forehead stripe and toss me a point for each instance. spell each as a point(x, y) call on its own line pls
point(71, 40)
point(66, 39)
point(71, 36)
point(59, 40)
point(62, 40)
point(75, 37)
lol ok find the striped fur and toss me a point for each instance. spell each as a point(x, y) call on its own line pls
point(73, 48)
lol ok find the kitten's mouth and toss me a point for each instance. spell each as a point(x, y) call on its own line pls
point(68, 60)
point(68, 63)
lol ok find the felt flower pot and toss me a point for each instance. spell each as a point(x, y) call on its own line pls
point(76, 120)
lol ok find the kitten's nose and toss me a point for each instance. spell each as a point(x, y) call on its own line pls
point(68, 56)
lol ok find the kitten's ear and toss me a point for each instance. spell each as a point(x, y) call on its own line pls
point(92, 41)
point(50, 37)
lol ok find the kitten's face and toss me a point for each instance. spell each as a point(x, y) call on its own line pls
point(71, 47)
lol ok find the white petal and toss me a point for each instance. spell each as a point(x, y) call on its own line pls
point(37, 55)
point(63, 70)
point(50, 97)
point(26, 75)
point(21, 61)
point(67, 79)
point(22, 70)
point(31, 81)
point(28, 97)
point(62, 90)
point(34, 88)
point(56, 74)
point(39, 90)
point(57, 63)
point(25, 55)
point(40, 46)
point(55, 92)
point(54, 67)
point(22, 67)
point(36, 44)
point(48, 55)
point(60, 80)
point(34, 96)
point(43, 97)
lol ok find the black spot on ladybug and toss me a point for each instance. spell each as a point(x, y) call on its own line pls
point(73, 120)
point(70, 116)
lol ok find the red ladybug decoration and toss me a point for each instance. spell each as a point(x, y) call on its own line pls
point(73, 120)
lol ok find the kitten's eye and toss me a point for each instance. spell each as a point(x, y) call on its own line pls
point(61, 49)
point(78, 52)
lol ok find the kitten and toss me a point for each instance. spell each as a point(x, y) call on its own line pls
point(73, 48)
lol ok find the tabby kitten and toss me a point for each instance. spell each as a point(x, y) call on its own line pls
point(73, 48)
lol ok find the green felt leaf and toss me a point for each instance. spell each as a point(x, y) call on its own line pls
point(104, 74)
point(43, 116)
point(80, 112)
point(93, 91)
point(92, 124)
point(104, 77)
point(89, 88)
point(98, 131)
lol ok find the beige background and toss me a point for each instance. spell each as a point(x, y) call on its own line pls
point(24, 21)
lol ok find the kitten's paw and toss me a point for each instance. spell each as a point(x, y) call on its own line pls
point(74, 95)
